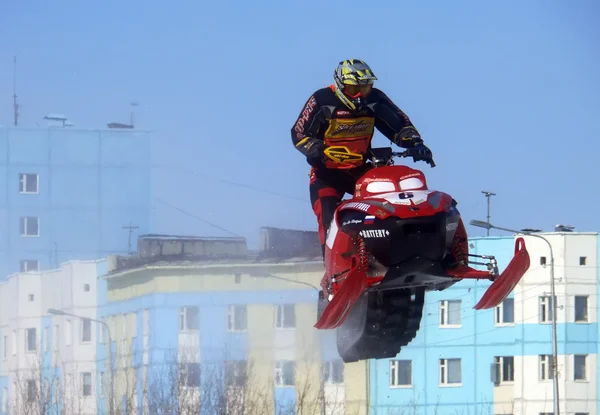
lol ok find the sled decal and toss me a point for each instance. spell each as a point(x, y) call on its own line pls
point(375, 207)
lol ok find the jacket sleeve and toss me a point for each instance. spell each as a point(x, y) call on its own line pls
point(306, 128)
point(392, 122)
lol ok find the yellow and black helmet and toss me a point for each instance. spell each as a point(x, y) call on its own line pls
point(353, 82)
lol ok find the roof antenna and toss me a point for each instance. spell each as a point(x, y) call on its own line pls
point(15, 102)
point(133, 104)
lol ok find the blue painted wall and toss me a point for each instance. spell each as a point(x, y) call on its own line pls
point(433, 343)
point(91, 184)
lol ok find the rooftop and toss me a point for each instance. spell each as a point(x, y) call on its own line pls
point(277, 246)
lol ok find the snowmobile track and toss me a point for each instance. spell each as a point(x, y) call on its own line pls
point(392, 321)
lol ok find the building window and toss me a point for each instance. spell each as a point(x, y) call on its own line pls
point(30, 340)
point(286, 316)
point(450, 372)
point(30, 265)
point(86, 382)
point(505, 312)
point(29, 183)
point(5, 347)
point(30, 226)
point(542, 260)
point(30, 297)
point(189, 318)
point(449, 315)
point(581, 308)
point(546, 367)
point(400, 373)
point(236, 373)
point(237, 318)
point(545, 312)
point(86, 330)
point(86, 287)
point(189, 375)
point(582, 260)
point(503, 369)
point(579, 372)
point(31, 391)
point(285, 373)
point(333, 372)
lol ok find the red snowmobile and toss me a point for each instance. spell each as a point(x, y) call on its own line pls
point(394, 240)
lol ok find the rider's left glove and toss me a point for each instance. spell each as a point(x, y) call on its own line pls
point(422, 152)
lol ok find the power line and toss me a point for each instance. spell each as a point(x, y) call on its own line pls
point(292, 281)
point(197, 217)
point(218, 179)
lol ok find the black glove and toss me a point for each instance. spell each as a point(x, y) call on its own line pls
point(421, 152)
point(408, 137)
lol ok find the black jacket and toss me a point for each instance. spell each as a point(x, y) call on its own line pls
point(324, 119)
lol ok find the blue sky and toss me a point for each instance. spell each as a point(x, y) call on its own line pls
point(506, 94)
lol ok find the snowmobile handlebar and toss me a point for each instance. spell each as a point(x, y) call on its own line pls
point(382, 156)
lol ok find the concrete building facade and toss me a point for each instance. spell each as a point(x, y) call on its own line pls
point(205, 322)
point(69, 193)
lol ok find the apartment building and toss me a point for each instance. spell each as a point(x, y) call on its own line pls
point(49, 361)
point(71, 194)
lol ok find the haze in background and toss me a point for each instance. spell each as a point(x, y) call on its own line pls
point(505, 94)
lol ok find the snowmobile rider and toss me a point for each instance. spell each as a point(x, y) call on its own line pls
point(346, 113)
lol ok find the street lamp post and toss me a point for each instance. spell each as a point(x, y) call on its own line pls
point(112, 384)
point(487, 225)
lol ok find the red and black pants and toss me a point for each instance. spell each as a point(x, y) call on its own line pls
point(327, 188)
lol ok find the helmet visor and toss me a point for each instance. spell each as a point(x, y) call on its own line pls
point(356, 91)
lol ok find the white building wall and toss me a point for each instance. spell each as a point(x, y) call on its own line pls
point(24, 301)
point(570, 277)
point(531, 394)
point(504, 396)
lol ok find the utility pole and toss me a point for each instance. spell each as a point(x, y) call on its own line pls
point(488, 195)
point(15, 101)
point(130, 228)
